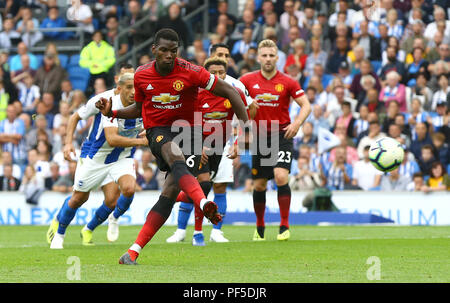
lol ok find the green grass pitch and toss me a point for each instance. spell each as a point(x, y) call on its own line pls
point(313, 254)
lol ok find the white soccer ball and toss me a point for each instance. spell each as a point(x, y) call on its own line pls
point(386, 154)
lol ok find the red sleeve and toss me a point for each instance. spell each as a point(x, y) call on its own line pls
point(139, 95)
point(203, 78)
point(295, 89)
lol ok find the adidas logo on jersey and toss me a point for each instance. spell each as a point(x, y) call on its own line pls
point(256, 85)
point(206, 105)
point(149, 87)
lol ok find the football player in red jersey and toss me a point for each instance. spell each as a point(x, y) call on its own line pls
point(166, 97)
point(217, 116)
point(273, 91)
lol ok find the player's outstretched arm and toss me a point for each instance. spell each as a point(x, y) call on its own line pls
point(68, 143)
point(225, 90)
point(130, 112)
point(115, 140)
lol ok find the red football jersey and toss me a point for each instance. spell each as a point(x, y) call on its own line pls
point(217, 113)
point(166, 99)
point(273, 96)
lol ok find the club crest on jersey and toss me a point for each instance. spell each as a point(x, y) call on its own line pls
point(266, 97)
point(279, 87)
point(178, 85)
point(165, 98)
point(159, 138)
point(227, 104)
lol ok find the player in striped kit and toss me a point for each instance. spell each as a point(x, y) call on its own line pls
point(106, 157)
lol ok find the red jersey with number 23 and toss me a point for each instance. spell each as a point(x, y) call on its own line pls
point(273, 96)
point(170, 98)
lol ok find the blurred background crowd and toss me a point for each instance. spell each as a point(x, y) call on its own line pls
point(368, 73)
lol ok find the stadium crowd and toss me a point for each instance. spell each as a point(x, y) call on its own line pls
point(365, 77)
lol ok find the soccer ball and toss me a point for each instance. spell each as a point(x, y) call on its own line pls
point(386, 154)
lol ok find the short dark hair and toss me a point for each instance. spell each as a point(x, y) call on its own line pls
point(428, 146)
point(418, 174)
point(166, 34)
point(125, 65)
point(214, 47)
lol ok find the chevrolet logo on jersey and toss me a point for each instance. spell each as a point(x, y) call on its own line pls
point(266, 97)
point(166, 98)
point(215, 115)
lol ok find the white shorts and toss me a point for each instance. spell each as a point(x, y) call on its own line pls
point(91, 174)
point(225, 170)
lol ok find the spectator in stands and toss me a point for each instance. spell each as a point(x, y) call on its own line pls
point(317, 119)
point(54, 176)
point(111, 33)
point(393, 181)
point(419, 65)
point(289, 10)
point(81, 15)
point(422, 138)
point(8, 33)
point(78, 99)
point(289, 36)
point(417, 115)
point(65, 183)
point(25, 14)
point(317, 33)
point(62, 117)
point(338, 174)
point(392, 41)
point(148, 180)
point(99, 57)
point(272, 23)
point(298, 57)
point(54, 20)
point(441, 148)
point(222, 9)
point(50, 75)
point(307, 137)
point(439, 179)
point(40, 125)
point(444, 90)
point(365, 175)
point(243, 45)
point(417, 182)
point(365, 69)
point(374, 133)
point(334, 106)
point(6, 159)
point(7, 181)
point(371, 45)
point(393, 64)
point(249, 60)
point(426, 159)
point(417, 27)
point(29, 36)
point(316, 56)
point(338, 55)
point(29, 93)
point(394, 25)
point(305, 179)
point(174, 21)
point(32, 185)
point(66, 91)
point(12, 133)
point(432, 28)
point(394, 90)
point(137, 34)
point(346, 119)
point(16, 63)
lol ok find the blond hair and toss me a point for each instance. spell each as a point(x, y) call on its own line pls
point(267, 43)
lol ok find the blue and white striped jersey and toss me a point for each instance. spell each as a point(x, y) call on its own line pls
point(100, 150)
point(89, 110)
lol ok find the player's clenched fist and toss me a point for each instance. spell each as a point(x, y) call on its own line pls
point(104, 105)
